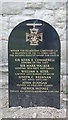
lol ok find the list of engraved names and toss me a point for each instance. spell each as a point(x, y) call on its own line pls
point(34, 68)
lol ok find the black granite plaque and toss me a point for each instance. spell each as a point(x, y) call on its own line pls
point(34, 65)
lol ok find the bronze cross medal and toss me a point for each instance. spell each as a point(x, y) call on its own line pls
point(34, 37)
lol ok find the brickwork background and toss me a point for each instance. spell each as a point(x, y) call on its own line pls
point(11, 14)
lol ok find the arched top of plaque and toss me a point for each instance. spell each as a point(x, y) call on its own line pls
point(34, 34)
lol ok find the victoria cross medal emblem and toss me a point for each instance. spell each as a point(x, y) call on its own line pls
point(34, 36)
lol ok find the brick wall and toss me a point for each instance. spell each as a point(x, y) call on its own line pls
point(11, 14)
